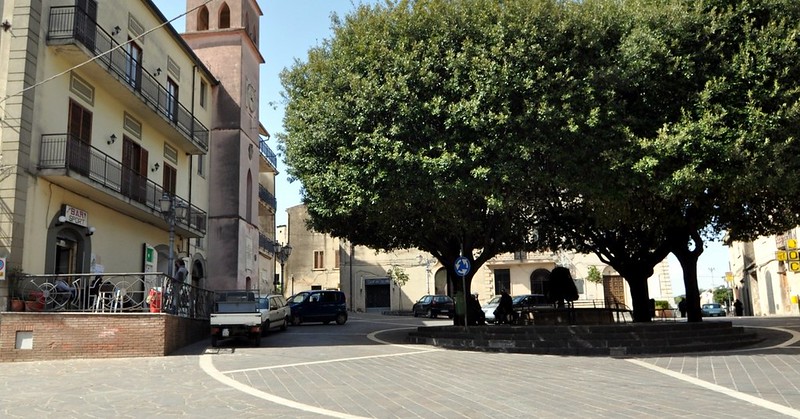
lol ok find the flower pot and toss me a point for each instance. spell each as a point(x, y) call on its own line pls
point(34, 306)
point(17, 305)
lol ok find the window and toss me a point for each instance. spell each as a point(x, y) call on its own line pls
point(80, 137)
point(318, 259)
point(134, 170)
point(201, 165)
point(133, 64)
point(336, 259)
point(203, 88)
point(170, 179)
point(502, 280)
point(539, 279)
point(225, 16)
point(172, 100)
point(202, 19)
point(520, 255)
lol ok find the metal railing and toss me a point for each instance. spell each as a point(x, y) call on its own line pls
point(71, 23)
point(65, 151)
point(268, 153)
point(266, 244)
point(152, 292)
point(266, 197)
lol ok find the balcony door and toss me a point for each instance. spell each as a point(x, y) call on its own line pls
point(79, 138)
point(85, 22)
point(133, 64)
point(134, 170)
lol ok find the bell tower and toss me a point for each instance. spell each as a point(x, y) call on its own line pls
point(224, 35)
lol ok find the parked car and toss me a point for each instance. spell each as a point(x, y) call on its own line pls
point(278, 312)
point(318, 306)
point(712, 310)
point(490, 307)
point(434, 305)
point(530, 302)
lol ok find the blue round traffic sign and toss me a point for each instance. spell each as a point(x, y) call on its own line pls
point(462, 266)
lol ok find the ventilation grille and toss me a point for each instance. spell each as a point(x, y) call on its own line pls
point(135, 28)
point(81, 88)
point(173, 69)
point(170, 153)
point(132, 126)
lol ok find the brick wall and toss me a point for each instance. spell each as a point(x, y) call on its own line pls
point(95, 335)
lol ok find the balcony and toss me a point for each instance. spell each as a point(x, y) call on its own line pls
point(265, 244)
point(267, 198)
point(268, 157)
point(67, 161)
point(75, 36)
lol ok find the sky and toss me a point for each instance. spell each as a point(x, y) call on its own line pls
point(288, 29)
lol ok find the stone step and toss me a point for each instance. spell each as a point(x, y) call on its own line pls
point(590, 340)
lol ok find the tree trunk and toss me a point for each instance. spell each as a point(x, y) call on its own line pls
point(688, 260)
point(641, 298)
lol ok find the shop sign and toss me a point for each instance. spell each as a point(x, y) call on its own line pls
point(76, 216)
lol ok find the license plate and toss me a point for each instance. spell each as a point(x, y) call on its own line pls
point(226, 332)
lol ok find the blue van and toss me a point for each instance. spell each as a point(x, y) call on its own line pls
point(318, 306)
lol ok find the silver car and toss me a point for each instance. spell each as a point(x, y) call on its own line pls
point(712, 310)
point(279, 313)
point(490, 307)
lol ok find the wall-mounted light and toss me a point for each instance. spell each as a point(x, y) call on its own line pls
point(90, 231)
point(155, 167)
point(61, 220)
point(157, 72)
point(116, 30)
point(112, 138)
point(6, 25)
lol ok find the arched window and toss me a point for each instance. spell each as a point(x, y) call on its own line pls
point(539, 279)
point(224, 16)
point(202, 19)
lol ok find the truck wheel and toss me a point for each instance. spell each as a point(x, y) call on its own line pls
point(341, 318)
point(213, 341)
point(265, 328)
point(258, 340)
point(296, 320)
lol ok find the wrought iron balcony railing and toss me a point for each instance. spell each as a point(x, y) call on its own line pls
point(111, 293)
point(68, 23)
point(266, 244)
point(268, 153)
point(65, 151)
point(266, 197)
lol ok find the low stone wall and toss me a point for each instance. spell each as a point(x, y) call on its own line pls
point(46, 336)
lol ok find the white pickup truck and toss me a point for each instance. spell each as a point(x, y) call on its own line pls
point(236, 314)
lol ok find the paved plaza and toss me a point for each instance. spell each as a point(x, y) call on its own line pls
point(364, 370)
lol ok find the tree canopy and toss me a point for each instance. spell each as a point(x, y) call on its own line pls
point(630, 129)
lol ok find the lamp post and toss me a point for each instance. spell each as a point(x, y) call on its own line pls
point(427, 262)
point(282, 253)
point(172, 212)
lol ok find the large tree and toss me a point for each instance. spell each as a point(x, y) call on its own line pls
point(623, 128)
point(412, 126)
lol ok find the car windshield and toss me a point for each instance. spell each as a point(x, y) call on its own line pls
point(711, 306)
point(494, 300)
point(298, 298)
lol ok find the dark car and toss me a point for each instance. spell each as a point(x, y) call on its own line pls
point(525, 305)
point(434, 305)
point(318, 306)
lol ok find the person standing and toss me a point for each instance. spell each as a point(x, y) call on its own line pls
point(505, 308)
point(738, 308)
point(181, 273)
point(682, 307)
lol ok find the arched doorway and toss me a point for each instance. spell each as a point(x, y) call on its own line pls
point(539, 280)
point(441, 285)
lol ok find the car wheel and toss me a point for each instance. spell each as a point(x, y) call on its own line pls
point(285, 323)
point(265, 328)
point(430, 314)
point(341, 318)
point(414, 313)
point(296, 320)
point(213, 341)
point(257, 341)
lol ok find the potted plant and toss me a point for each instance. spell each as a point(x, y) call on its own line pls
point(16, 278)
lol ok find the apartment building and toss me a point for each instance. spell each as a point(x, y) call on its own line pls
point(765, 274)
point(319, 261)
point(105, 112)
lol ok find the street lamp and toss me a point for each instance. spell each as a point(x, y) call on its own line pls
point(172, 212)
point(282, 253)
